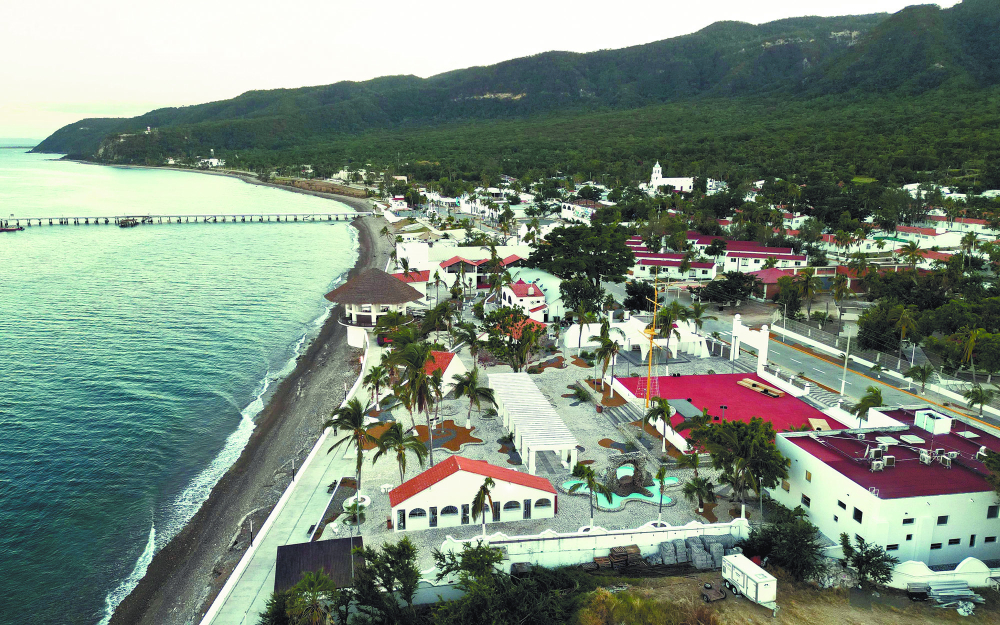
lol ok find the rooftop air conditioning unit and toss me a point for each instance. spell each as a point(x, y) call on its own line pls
point(939, 451)
point(861, 437)
point(981, 454)
point(883, 446)
point(952, 454)
point(890, 461)
point(925, 457)
point(878, 465)
point(876, 454)
point(946, 461)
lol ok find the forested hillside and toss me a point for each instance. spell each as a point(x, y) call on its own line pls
point(816, 92)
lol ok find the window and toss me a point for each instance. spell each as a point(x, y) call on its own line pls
point(527, 509)
point(892, 547)
point(465, 514)
point(992, 512)
point(756, 261)
point(449, 511)
point(417, 512)
point(907, 521)
point(809, 476)
point(836, 519)
point(972, 540)
point(935, 545)
point(805, 501)
point(990, 539)
point(797, 263)
point(858, 515)
point(785, 486)
point(909, 537)
point(955, 541)
point(943, 520)
point(512, 505)
point(843, 506)
point(543, 503)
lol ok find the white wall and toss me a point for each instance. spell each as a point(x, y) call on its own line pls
point(461, 488)
point(882, 519)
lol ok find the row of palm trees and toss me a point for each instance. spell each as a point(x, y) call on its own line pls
point(403, 370)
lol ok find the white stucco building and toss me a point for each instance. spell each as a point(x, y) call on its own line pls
point(915, 485)
point(526, 296)
point(442, 496)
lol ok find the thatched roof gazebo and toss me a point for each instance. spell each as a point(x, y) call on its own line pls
point(371, 294)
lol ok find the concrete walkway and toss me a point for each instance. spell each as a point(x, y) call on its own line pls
point(308, 501)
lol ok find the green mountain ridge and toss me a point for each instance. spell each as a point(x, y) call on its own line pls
point(807, 60)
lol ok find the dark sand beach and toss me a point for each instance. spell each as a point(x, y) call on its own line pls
point(185, 576)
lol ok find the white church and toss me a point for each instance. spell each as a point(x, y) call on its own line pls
point(680, 185)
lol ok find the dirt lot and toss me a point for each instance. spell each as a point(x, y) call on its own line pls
point(801, 604)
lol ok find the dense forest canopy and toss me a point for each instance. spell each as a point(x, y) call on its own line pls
point(894, 97)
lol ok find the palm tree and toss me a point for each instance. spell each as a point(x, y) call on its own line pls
point(437, 287)
point(872, 399)
point(661, 475)
point(905, 322)
point(593, 485)
point(969, 242)
point(658, 410)
point(695, 424)
point(689, 461)
point(439, 314)
point(399, 441)
point(977, 395)
point(700, 489)
point(582, 318)
point(808, 285)
point(969, 352)
point(840, 291)
point(391, 322)
point(920, 373)
point(467, 385)
point(483, 496)
point(436, 383)
point(667, 317)
point(351, 418)
point(912, 253)
point(376, 379)
point(312, 600)
point(609, 348)
point(468, 333)
point(696, 315)
point(414, 388)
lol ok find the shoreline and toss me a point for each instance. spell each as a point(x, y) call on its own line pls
point(187, 573)
point(361, 205)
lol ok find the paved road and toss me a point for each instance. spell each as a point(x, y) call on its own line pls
point(795, 358)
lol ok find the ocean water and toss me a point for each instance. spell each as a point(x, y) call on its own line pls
point(133, 363)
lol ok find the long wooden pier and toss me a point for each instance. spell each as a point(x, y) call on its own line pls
point(115, 220)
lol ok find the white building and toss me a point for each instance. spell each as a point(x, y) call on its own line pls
point(449, 366)
point(915, 485)
point(442, 496)
point(680, 185)
point(526, 296)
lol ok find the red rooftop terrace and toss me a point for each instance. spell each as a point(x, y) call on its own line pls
point(907, 476)
point(712, 391)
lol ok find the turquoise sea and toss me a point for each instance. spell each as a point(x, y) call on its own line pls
point(133, 362)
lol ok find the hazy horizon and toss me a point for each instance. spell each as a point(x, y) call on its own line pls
point(112, 58)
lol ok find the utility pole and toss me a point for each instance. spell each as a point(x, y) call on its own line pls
point(847, 355)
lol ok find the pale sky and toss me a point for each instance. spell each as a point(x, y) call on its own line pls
point(68, 59)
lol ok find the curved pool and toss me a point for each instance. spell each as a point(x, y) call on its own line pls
point(617, 502)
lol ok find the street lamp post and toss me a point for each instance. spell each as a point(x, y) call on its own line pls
point(723, 411)
point(847, 355)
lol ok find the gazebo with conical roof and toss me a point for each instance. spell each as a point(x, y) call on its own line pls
point(371, 294)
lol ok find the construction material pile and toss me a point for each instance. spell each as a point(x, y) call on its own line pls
point(954, 594)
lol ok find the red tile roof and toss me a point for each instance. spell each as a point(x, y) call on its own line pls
point(438, 361)
point(513, 258)
point(414, 276)
point(537, 308)
point(930, 254)
point(771, 276)
point(670, 262)
point(458, 259)
point(909, 478)
point(515, 332)
point(453, 465)
point(526, 289)
point(767, 253)
point(910, 229)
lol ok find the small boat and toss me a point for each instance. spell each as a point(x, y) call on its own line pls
point(128, 222)
point(12, 229)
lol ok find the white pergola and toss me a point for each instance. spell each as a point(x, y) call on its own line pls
point(530, 418)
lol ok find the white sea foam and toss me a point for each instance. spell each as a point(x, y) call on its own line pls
point(191, 498)
point(117, 595)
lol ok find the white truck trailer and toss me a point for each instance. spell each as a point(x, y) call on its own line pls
point(742, 577)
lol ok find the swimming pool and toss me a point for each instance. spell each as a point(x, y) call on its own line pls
point(617, 502)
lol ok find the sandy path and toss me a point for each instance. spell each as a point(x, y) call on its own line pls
point(188, 572)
